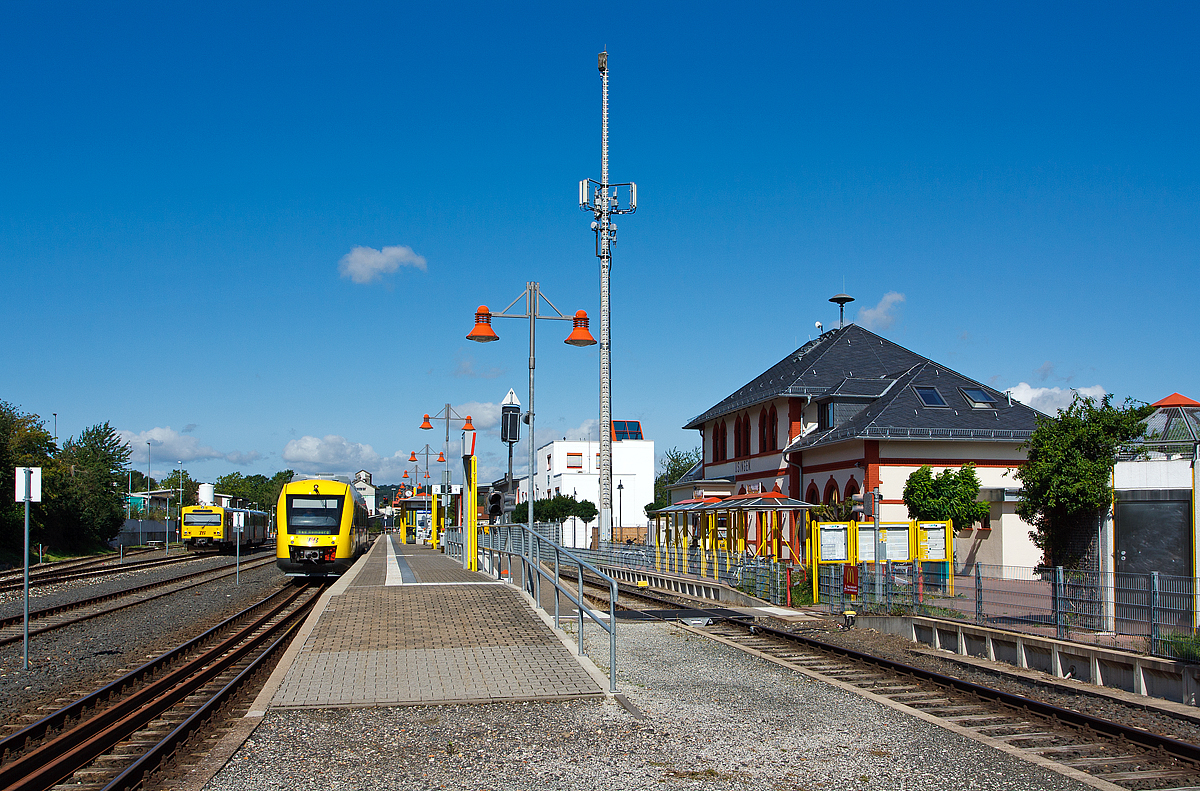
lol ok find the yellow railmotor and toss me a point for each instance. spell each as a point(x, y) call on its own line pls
point(322, 527)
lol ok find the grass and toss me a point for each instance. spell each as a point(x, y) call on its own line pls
point(1182, 645)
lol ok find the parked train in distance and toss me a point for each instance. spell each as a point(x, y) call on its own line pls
point(322, 527)
point(217, 527)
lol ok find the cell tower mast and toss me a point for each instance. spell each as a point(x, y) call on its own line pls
point(604, 200)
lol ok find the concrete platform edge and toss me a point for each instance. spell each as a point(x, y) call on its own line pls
point(584, 661)
point(244, 728)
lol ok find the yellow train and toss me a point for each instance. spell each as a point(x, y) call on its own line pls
point(215, 527)
point(322, 527)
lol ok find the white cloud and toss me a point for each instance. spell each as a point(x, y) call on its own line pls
point(1052, 399)
point(168, 446)
point(366, 264)
point(588, 429)
point(881, 317)
point(330, 453)
point(484, 416)
point(466, 369)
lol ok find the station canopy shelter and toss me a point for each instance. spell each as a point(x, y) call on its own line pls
point(766, 524)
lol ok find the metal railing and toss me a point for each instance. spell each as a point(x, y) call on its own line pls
point(540, 557)
point(1149, 613)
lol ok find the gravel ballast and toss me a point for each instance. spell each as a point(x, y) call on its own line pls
point(76, 659)
point(714, 718)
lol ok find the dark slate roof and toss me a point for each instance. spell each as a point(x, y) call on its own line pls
point(694, 473)
point(900, 414)
point(847, 354)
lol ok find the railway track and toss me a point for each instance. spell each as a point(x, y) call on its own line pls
point(120, 735)
point(62, 565)
point(50, 618)
point(55, 576)
point(1102, 752)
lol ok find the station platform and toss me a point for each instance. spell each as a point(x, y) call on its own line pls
point(407, 626)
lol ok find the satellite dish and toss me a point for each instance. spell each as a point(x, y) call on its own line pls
point(818, 325)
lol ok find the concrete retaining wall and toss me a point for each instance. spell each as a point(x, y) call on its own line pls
point(1106, 667)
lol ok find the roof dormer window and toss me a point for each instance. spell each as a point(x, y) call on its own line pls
point(930, 396)
point(978, 398)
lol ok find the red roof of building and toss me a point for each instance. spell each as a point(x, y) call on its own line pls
point(1175, 399)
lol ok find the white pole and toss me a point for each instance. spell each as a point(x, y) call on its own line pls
point(605, 347)
point(28, 496)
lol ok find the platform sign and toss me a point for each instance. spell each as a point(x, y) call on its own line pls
point(933, 540)
point(35, 484)
point(896, 538)
point(833, 542)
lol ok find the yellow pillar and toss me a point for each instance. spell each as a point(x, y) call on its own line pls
point(471, 528)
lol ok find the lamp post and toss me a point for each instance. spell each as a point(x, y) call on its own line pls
point(620, 505)
point(483, 333)
point(441, 458)
point(446, 414)
point(181, 494)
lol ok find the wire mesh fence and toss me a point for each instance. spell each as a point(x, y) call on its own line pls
point(1147, 613)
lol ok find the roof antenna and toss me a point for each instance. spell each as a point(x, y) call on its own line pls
point(841, 300)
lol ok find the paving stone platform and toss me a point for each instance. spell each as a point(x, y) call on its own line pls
point(411, 627)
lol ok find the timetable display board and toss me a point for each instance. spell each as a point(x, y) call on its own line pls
point(833, 542)
point(934, 540)
point(896, 535)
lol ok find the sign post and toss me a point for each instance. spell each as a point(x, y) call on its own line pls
point(28, 489)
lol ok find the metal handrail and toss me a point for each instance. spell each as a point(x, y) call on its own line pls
point(517, 540)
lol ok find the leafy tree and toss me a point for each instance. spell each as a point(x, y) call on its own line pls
point(84, 489)
point(260, 490)
point(586, 511)
point(24, 442)
point(1065, 479)
point(948, 495)
point(191, 486)
point(671, 467)
point(833, 512)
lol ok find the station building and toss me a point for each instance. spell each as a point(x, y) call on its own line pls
point(362, 482)
point(849, 411)
point(572, 467)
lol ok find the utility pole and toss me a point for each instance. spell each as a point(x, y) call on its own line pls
point(604, 200)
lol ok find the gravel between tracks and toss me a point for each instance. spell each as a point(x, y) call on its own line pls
point(67, 662)
point(901, 650)
point(715, 718)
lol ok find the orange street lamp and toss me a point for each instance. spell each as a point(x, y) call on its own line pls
point(467, 426)
point(412, 456)
point(426, 424)
point(484, 333)
point(441, 458)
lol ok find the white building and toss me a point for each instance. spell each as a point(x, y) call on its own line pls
point(362, 482)
point(572, 467)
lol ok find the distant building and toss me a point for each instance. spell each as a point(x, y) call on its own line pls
point(362, 482)
point(850, 411)
point(572, 467)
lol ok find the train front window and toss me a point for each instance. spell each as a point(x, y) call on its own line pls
point(201, 520)
point(312, 515)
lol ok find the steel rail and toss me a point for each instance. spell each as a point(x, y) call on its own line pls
point(1177, 748)
point(66, 565)
point(66, 575)
point(16, 742)
point(135, 774)
point(57, 759)
point(1180, 749)
point(12, 621)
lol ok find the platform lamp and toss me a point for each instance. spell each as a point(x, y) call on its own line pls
point(483, 333)
point(445, 414)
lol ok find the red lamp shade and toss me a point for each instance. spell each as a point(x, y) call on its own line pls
point(426, 475)
point(412, 456)
point(426, 424)
point(442, 458)
point(467, 426)
point(405, 475)
point(483, 331)
point(580, 335)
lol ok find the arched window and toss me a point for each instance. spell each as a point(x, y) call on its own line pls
point(851, 488)
point(763, 443)
point(719, 437)
point(812, 495)
point(832, 495)
point(772, 429)
point(737, 437)
point(746, 434)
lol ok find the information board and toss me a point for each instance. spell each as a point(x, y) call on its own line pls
point(834, 542)
point(933, 540)
point(895, 536)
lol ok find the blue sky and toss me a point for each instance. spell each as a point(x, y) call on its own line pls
point(181, 184)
